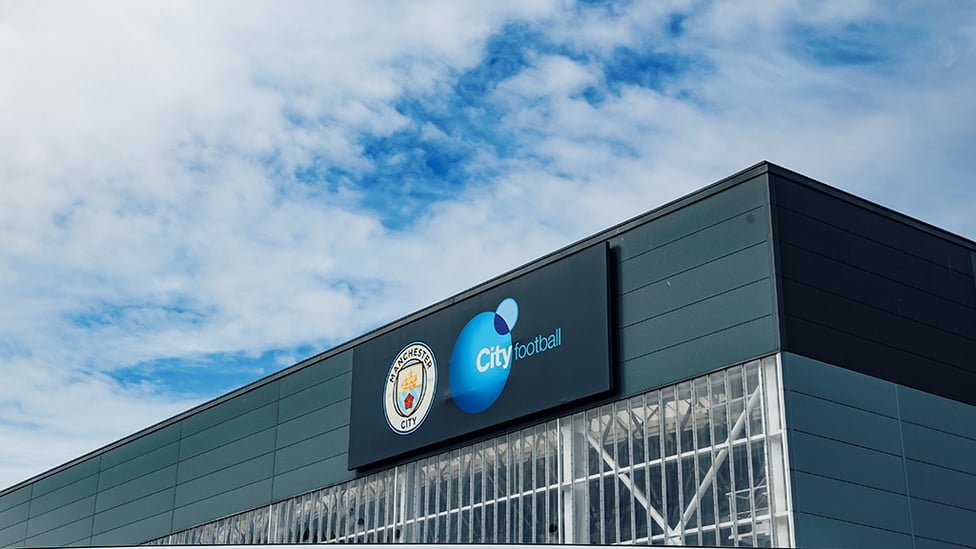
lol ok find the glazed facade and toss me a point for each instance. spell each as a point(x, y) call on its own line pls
point(697, 463)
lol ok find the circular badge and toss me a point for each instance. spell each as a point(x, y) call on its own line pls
point(410, 388)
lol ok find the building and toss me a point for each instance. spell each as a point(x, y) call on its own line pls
point(767, 361)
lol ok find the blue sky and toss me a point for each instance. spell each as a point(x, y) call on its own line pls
point(195, 195)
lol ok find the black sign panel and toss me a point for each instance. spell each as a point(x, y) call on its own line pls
point(531, 344)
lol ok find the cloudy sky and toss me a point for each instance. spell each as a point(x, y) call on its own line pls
point(195, 195)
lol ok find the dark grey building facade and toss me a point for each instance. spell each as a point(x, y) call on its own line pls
point(788, 365)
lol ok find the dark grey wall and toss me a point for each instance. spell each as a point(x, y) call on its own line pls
point(870, 290)
point(877, 464)
point(693, 293)
point(695, 289)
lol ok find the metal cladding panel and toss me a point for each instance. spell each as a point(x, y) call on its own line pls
point(147, 528)
point(140, 446)
point(316, 397)
point(230, 409)
point(13, 534)
point(136, 488)
point(73, 474)
point(297, 481)
point(224, 480)
point(220, 504)
point(531, 344)
point(64, 534)
point(874, 291)
point(138, 466)
point(16, 497)
point(135, 511)
point(315, 373)
point(313, 424)
point(818, 531)
point(902, 456)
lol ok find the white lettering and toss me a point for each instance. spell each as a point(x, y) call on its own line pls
point(506, 354)
point(478, 364)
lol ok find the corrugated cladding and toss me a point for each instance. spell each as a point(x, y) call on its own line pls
point(694, 292)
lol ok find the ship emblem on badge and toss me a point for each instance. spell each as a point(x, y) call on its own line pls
point(410, 387)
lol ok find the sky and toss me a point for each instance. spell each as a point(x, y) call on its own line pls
point(194, 195)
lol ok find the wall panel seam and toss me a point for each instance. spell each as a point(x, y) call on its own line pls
point(878, 242)
point(692, 233)
point(729, 327)
point(877, 274)
point(312, 386)
point(849, 443)
point(114, 528)
point(881, 344)
point(195, 479)
point(838, 519)
point(290, 444)
point(840, 403)
point(127, 502)
point(63, 525)
point(852, 483)
point(211, 495)
point(943, 431)
point(692, 303)
point(885, 311)
point(211, 448)
point(320, 408)
point(692, 268)
point(146, 472)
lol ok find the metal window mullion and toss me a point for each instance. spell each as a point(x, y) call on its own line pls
point(432, 513)
point(647, 465)
point(295, 522)
point(601, 436)
point(286, 528)
point(680, 489)
point(747, 410)
point(484, 490)
point(547, 472)
point(511, 476)
point(382, 499)
point(520, 488)
point(352, 518)
point(694, 459)
point(469, 479)
point(496, 492)
point(632, 426)
point(361, 509)
point(730, 456)
point(326, 520)
point(662, 444)
point(714, 454)
point(534, 484)
point(612, 437)
point(453, 501)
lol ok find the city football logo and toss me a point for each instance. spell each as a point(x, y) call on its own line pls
point(410, 388)
point(482, 357)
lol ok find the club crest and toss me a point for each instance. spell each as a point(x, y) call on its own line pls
point(410, 387)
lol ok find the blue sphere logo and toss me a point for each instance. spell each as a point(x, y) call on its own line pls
point(482, 358)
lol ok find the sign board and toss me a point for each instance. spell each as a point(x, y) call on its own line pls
point(531, 344)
